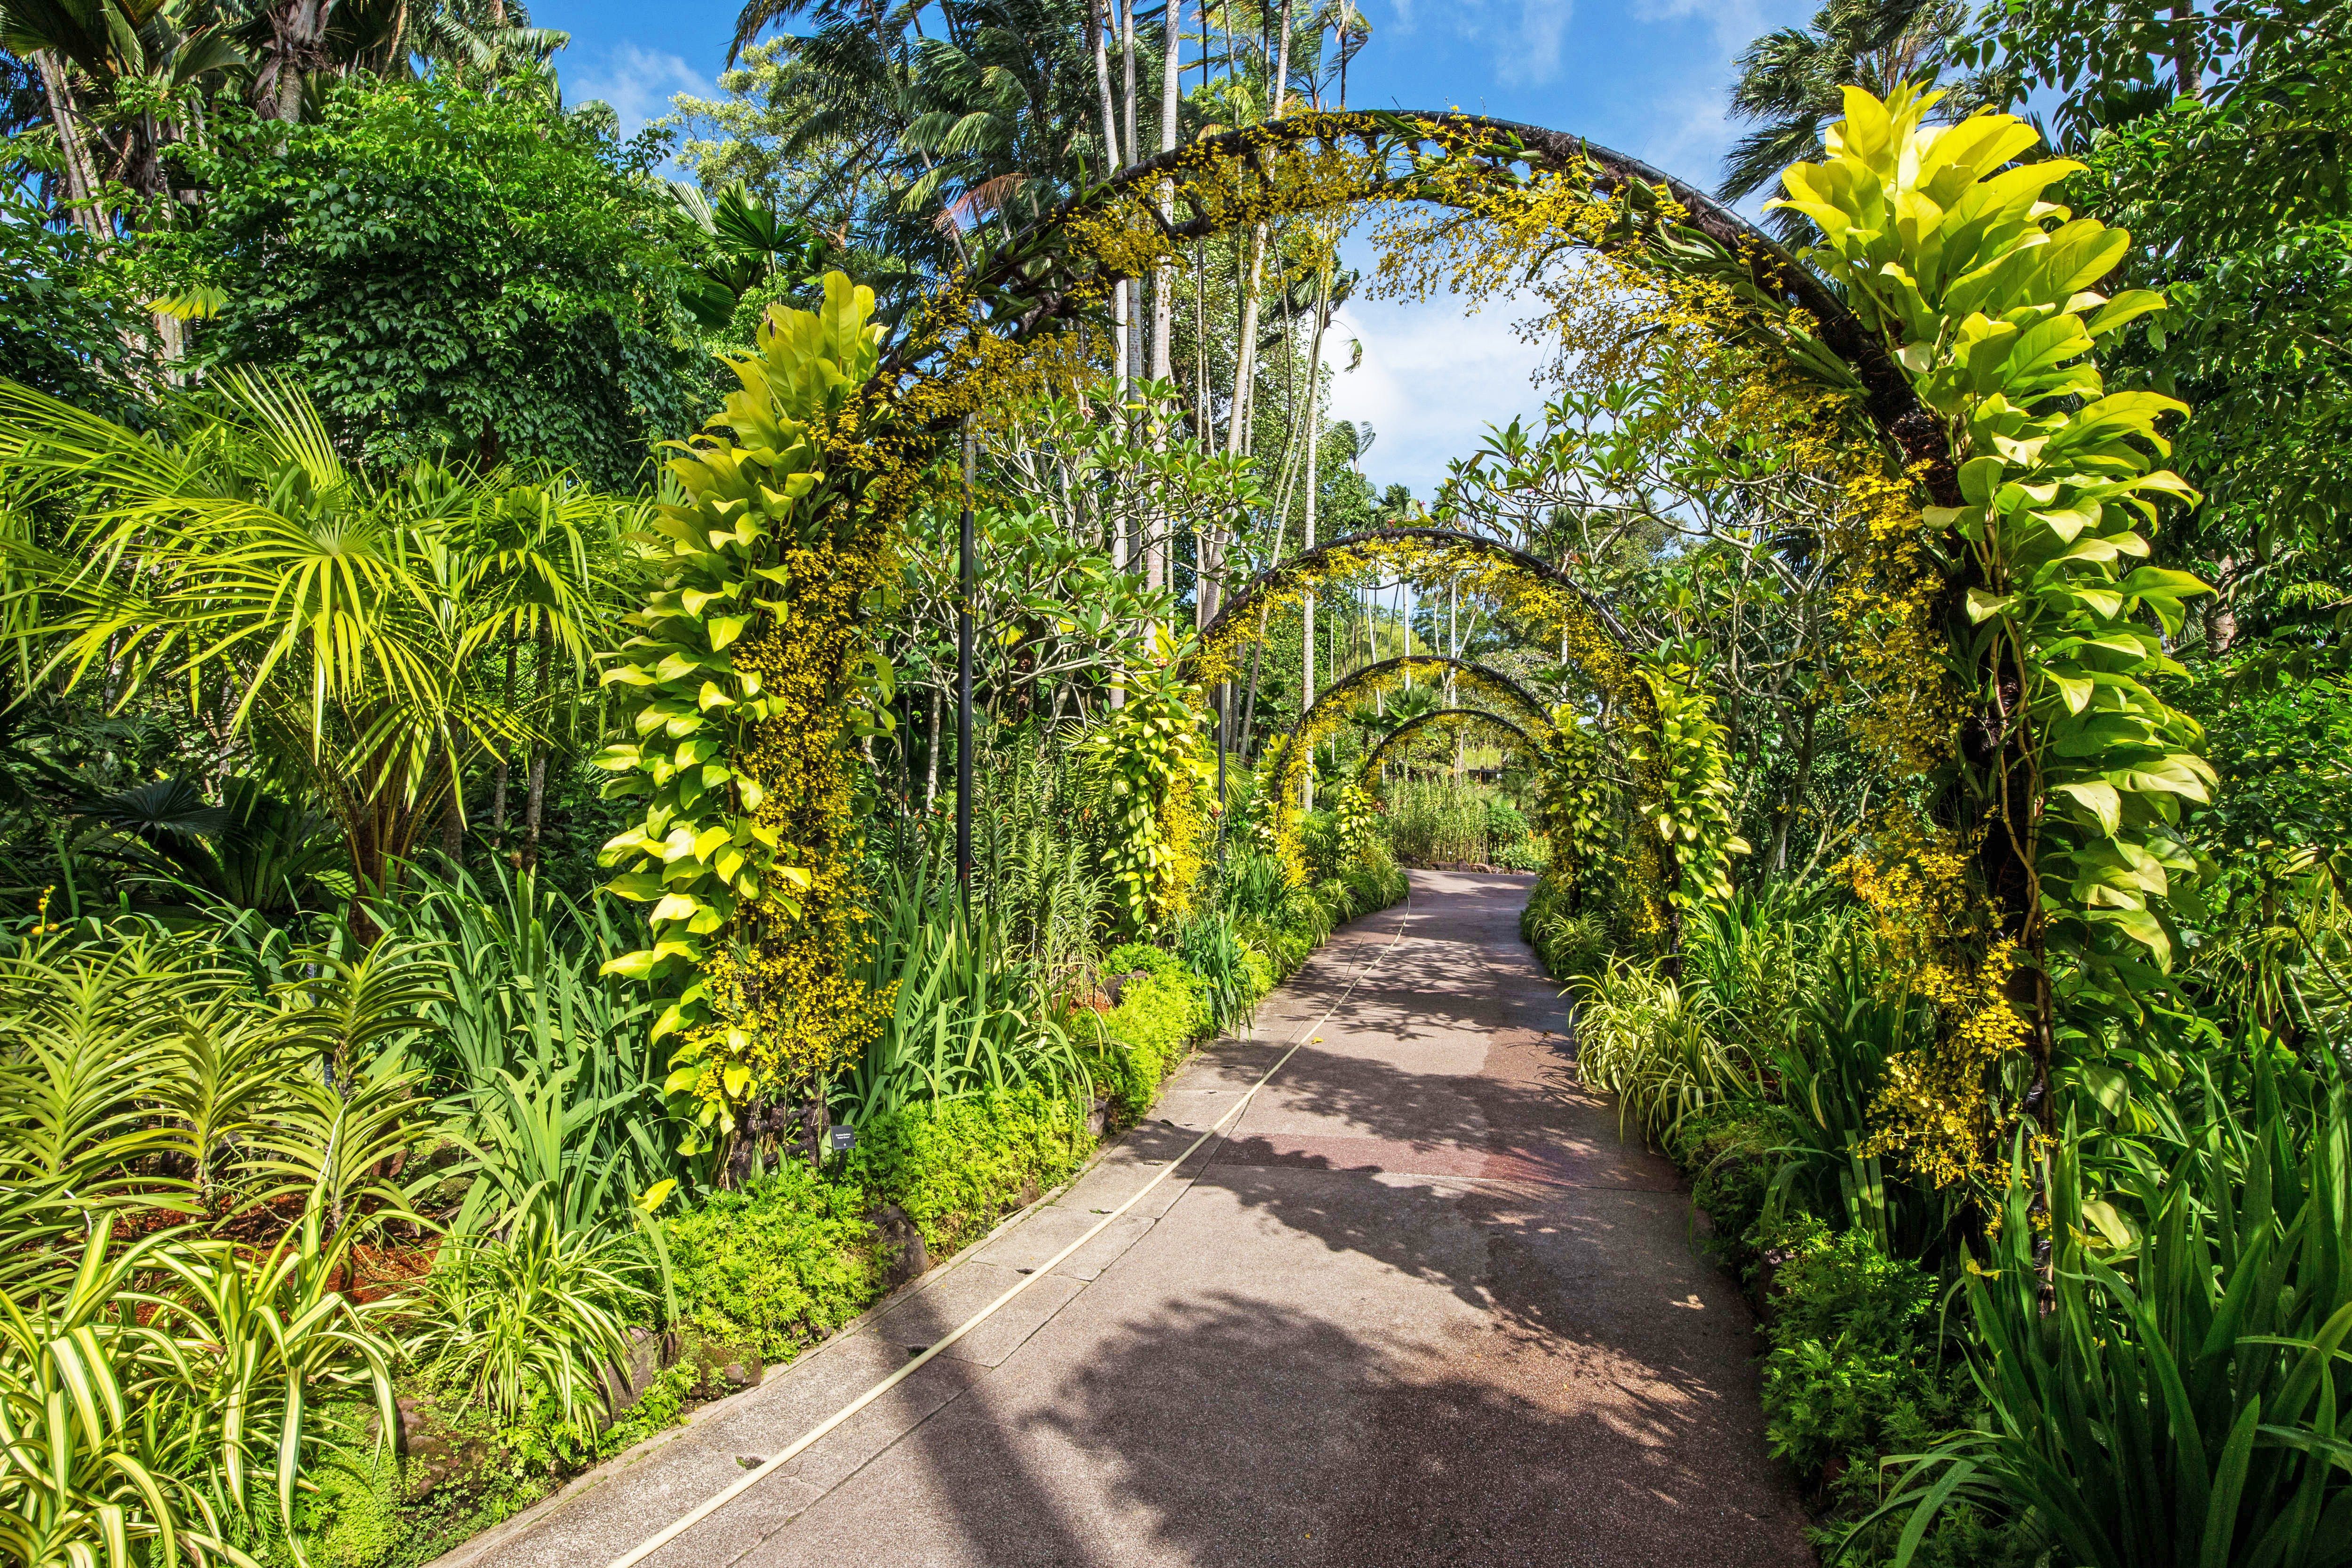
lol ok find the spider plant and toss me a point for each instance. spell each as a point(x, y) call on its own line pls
point(539, 1309)
point(1656, 1044)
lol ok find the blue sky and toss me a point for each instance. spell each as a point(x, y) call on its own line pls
point(1646, 76)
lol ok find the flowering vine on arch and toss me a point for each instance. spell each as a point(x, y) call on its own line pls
point(1655, 705)
point(1968, 324)
point(1451, 719)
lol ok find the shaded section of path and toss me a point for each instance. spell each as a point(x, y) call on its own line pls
point(1420, 1305)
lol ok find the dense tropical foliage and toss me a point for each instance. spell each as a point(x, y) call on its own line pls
point(479, 795)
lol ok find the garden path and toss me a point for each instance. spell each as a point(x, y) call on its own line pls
point(1419, 1304)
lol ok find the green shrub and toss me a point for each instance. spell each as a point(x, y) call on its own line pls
point(1853, 1370)
point(1128, 957)
point(779, 1264)
point(1524, 854)
point(1570, 939)
point(1155, 1018)
point(1857, 1371)
point(1729, 1151)
point(955, 1166)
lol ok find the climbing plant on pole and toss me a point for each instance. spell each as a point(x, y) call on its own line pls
point(751, 676)
point(2069, 770)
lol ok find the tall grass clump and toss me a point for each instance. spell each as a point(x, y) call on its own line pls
point(1655, 1043)
point(1434, 819)
point(2170, 1389)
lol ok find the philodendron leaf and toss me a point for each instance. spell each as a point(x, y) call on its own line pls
point(2101, 799)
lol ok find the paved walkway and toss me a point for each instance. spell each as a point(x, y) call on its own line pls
point(1420, 1306)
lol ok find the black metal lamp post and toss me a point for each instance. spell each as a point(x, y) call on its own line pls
point(964, 679)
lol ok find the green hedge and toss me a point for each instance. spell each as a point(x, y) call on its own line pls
point(790, 1257)
point(956, 1166)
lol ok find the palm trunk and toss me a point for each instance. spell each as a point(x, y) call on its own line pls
point(1156, 573)
point(1212, 589)
point(81, 175)
point(2188, 69)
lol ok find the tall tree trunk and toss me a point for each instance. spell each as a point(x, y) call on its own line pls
point(1778, 862)
point(2220, 619)
point(931, 756)
point(298, 45)
point(1212, 588)
point(2188, 67)
point(1454, 651)
point(1314, 437)
point(1133, 146)
point(1156, 573)
point(1282, 62)
point(1114, 159)
point(81, 175)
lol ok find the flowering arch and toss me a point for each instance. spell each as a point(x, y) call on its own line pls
point(1898, 382)
point(1452, 717)
point(1590, 634)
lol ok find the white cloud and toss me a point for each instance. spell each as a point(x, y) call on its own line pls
point(1733, 22)
point(637, 82)
point(1689, 129)
point(1524, 41)
point(1430, 384)
point(1529, 56)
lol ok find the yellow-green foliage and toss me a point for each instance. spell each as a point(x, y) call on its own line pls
point(1356, 826)
point(1151, 773)
point(954, 1166)
point(737, 668)
point(1986, 293)
point(794, 1254)
point(1692, 812)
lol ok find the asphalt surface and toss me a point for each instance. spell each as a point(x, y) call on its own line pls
point(1420, 1305)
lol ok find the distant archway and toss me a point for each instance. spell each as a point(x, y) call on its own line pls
point(1421, 722)
point(1330, 707)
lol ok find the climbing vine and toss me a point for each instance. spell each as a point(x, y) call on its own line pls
point(1452, 720)
point(1691, 808)
point(1151, 769)
point(2069, 768)
point(1955, 359)
point(750, 673)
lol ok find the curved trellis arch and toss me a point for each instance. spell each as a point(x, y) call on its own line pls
point(1593, 636)
point(1590, 634)
point(1330, 709)
point(1457, 716)
point(835, 440)
point(1050, 275)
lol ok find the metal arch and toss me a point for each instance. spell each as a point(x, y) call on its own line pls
point(1355, 680)
point(1243, 602)
point(1028, 276)
point(1414, 725)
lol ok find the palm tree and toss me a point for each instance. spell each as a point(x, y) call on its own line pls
point(1790, 82)
point(992, 117)
point(334, 620)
